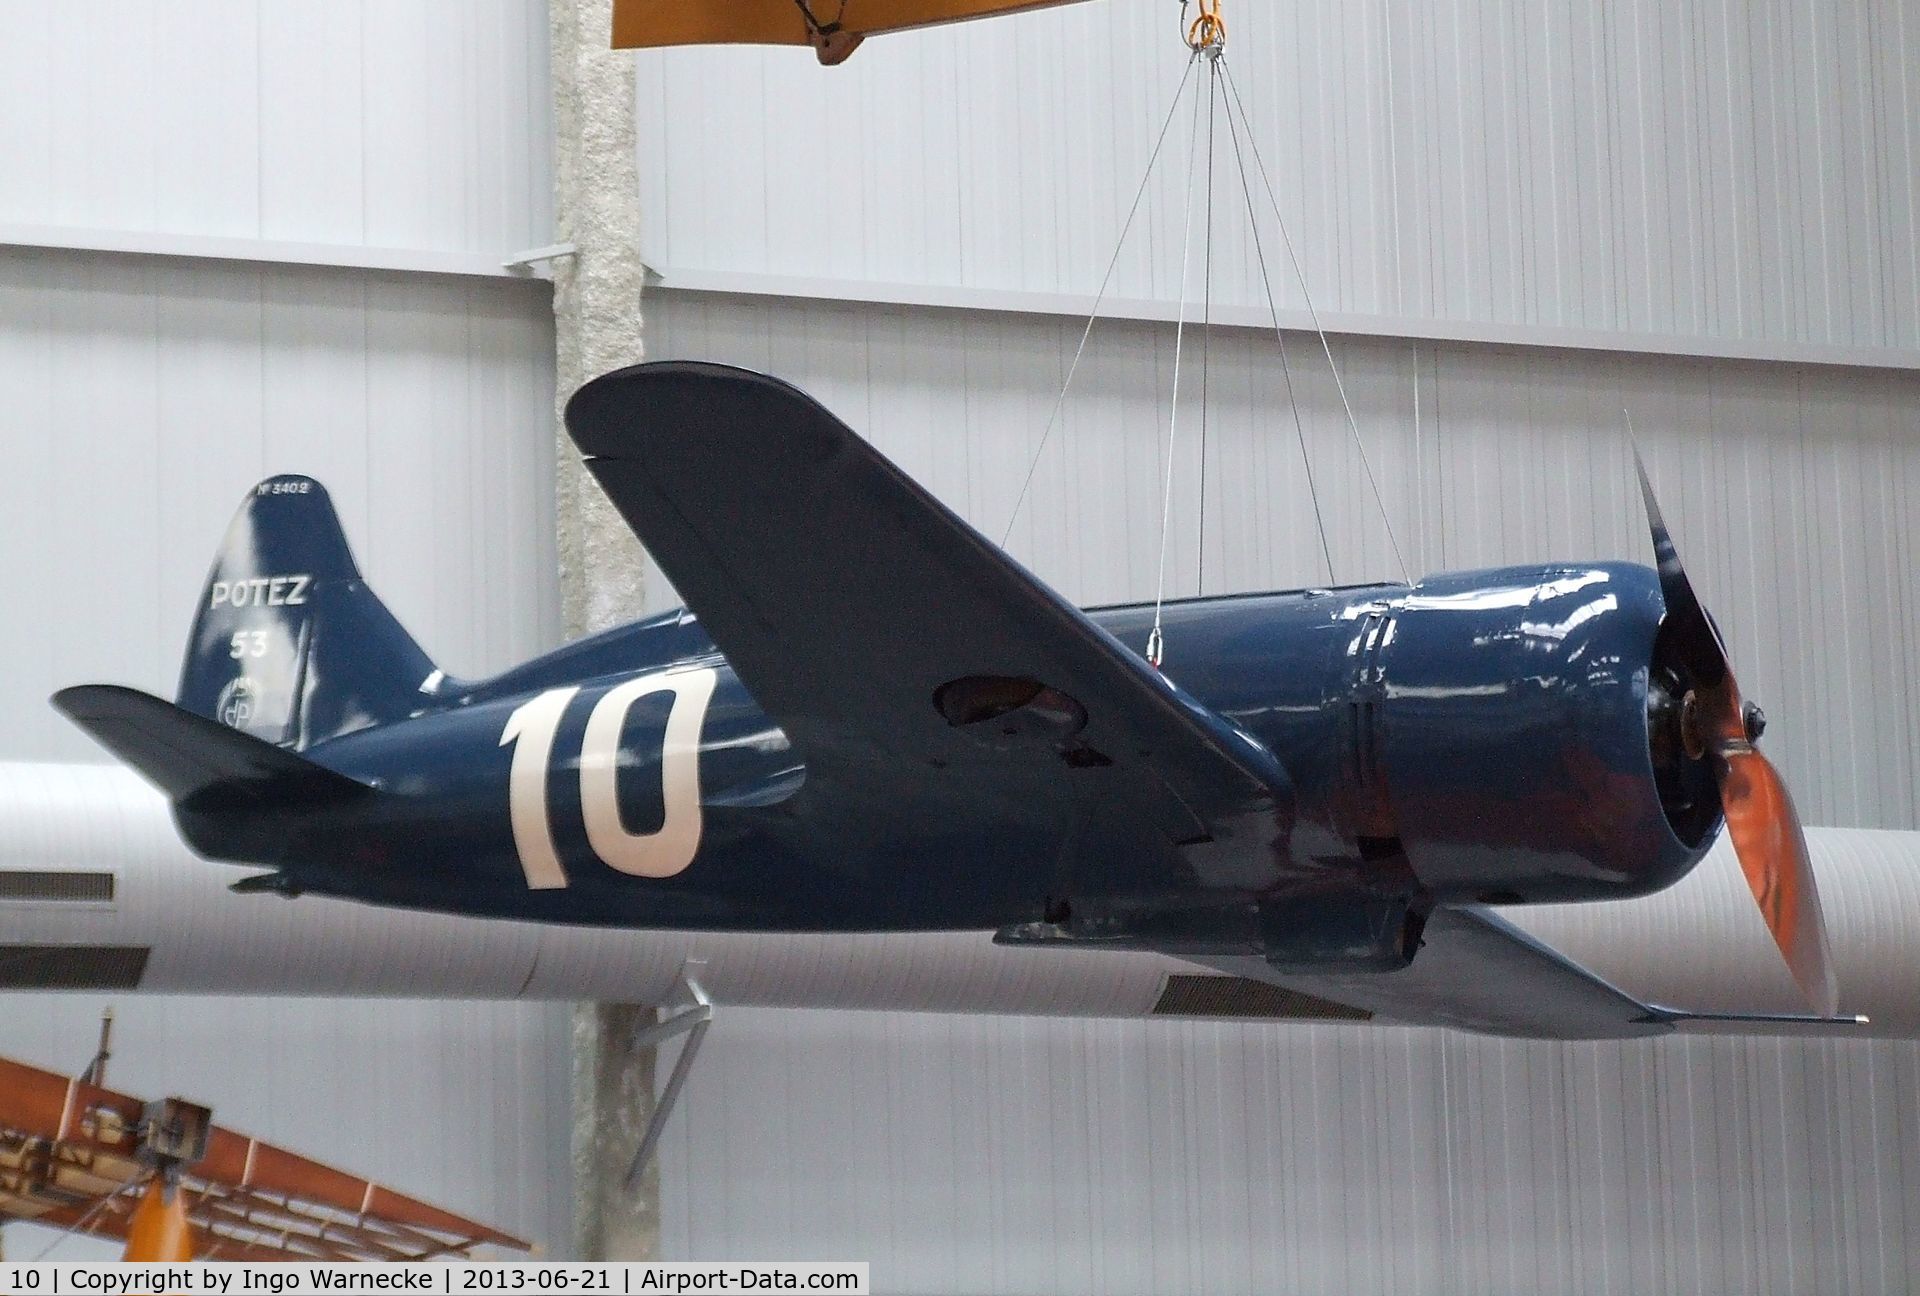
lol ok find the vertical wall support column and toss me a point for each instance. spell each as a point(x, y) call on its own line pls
point(596, 307)
point(612, 1104)
point(596, 295)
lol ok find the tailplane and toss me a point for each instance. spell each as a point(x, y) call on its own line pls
point(231, 793)
point(289, 645)
point(202, 766)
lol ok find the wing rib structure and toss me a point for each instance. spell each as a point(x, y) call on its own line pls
point(646, 24)
point(70, 1157)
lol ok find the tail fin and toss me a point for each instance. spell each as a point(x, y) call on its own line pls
point(290, 646)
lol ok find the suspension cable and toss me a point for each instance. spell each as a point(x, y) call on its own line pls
point(1208, 31)
point(1206, 34)
point(1106, 281)
point(817, 29)
point(1280, 337)
point(1353, 424)
point(1156, 640)
point(1206, 326)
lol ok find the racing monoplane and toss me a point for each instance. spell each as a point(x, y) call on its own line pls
point(870, 718)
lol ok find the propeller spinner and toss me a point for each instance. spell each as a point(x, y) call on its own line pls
point(1716, 721)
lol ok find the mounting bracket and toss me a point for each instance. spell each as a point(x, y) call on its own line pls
point(691, 1021)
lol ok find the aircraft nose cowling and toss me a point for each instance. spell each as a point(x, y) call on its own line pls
point(1515, 741)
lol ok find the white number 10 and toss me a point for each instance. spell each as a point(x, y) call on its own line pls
point(532, 728)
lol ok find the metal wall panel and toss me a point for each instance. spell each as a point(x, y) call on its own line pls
point(1725, 170)
point(142, 399)
point(1037, 1155)
point(421, 125)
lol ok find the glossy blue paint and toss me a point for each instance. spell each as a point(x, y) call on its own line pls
point(944, 744)
point(289, 645)
point(1478, 736)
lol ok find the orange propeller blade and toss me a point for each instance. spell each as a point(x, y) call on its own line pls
point(1773, 854)
point(1760, 815)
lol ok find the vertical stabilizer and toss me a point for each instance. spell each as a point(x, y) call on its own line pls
point(290, 646)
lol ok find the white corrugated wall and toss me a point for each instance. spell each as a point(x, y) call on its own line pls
point(141, 395)
point(964, 1154)
point(350, 122)
point(1607, 190)
point(1726, 170)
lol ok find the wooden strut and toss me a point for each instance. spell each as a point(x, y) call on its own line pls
point(159, 1230)
point(84, 1159)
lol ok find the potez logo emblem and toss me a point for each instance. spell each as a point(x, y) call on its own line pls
point(260, 591)
point(237, 702)
point(532, 728)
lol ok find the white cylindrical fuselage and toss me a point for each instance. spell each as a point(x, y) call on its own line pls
point(97, 891)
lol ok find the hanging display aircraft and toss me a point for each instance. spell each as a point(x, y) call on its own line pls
point(870, 718)
point(834, 28)
point(162, 1178)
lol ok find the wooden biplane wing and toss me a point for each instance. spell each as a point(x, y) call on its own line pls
point(832, 27)
point(72, 1157)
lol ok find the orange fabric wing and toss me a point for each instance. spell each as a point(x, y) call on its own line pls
point(69, 1158)
point(645, 24)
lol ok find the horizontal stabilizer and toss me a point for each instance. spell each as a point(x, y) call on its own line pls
point(1475, 971)
point(199, 763)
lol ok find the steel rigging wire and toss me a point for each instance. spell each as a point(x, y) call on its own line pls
point(1280, 339)
point(1106, 282)
point(1155, 640)
point(1313, 313)
point(1206, 36)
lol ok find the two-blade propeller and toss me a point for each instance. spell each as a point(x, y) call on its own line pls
point(1717, 722)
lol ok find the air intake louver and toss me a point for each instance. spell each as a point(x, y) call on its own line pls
point(56, 884)
point(72, 967)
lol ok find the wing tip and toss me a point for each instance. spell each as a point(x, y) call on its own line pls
point(608, 417)
point(78, 701)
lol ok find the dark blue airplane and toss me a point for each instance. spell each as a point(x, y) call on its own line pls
point(870, 718)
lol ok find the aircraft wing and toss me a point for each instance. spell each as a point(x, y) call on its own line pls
point(649, 23)
point(894, 643)
point(1475, 971)
point(70, 1158)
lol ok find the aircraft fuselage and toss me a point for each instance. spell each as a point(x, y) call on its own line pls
point(1480, 736)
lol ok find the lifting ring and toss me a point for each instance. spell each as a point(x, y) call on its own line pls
point(1208, 32)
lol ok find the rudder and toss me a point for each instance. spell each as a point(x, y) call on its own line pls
point(289, 645)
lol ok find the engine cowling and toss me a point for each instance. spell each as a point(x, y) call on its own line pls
point(1526, 734)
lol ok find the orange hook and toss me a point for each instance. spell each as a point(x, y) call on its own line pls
point(1209, 30)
